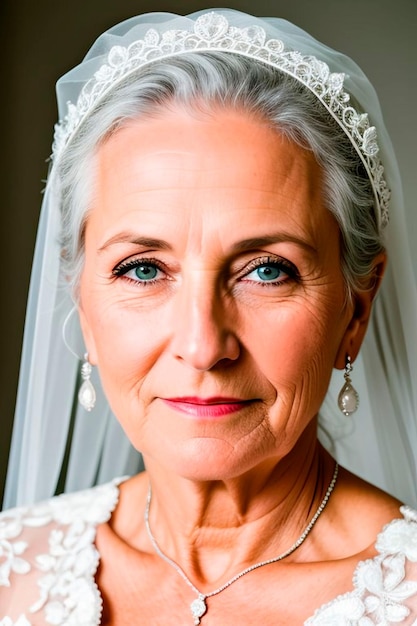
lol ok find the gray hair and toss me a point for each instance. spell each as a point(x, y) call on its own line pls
point(204, 81)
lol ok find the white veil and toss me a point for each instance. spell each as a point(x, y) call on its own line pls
point(56, 444)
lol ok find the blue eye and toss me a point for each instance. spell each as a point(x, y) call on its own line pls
point(267, 273)
point(139, 271)
point(144, 272)
point(271, 272)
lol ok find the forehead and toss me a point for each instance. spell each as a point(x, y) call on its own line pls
point(226, 165)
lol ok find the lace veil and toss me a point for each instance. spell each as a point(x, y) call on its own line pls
point(56, 442)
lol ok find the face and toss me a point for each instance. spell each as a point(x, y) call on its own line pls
point(212, 298)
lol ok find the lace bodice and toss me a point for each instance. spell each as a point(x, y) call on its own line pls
point(48, 562)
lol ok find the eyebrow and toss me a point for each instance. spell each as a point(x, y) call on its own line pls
point(128, 237)
point(241, 246)
point(260, 242)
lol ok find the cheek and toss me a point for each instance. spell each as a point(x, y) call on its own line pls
point(127, 342)
point(295, 349)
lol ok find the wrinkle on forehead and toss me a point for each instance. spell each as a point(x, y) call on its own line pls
point(187, 168)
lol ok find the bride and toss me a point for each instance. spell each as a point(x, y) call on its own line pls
point(216, 219)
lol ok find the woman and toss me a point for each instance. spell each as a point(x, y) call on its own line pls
point(223, 205)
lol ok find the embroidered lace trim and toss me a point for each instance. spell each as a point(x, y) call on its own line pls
point(212, 32)
point(67, 592)
point(380, 584)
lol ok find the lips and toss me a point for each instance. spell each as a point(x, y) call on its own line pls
point(209, 408)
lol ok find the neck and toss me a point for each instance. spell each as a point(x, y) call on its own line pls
point(214, 529)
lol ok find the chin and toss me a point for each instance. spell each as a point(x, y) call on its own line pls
point(205, 459)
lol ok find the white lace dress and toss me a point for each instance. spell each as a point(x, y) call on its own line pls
point(55, 584)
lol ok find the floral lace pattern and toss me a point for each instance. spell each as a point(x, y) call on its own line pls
point(68, 595)
point(380, 584)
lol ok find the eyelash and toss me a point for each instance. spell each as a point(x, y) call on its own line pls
point(125, 266)
point(278, 262)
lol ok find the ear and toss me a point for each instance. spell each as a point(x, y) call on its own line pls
point(361, 312)
point(88, 336)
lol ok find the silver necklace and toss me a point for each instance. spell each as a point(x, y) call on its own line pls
point(198, 606)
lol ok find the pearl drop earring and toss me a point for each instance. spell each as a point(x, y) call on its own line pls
point(348, 400)
point(87, 393)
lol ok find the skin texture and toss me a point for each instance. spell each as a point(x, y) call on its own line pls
point(204, 328)
point(201, 202)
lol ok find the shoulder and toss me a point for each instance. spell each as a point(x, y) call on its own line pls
point(385, 586)
point(25, 528)
point(358, 512)
point(44, 546)
point(93, 504)
point(400, 536)
point(388, 583)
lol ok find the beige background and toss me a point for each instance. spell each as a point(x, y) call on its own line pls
point(39, 41)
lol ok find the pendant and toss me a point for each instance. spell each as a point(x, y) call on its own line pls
point(348, 399)
point(198, 608)
point(87, 395)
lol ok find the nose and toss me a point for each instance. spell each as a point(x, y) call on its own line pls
point(203, 336)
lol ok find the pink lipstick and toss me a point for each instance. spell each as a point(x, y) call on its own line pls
point(206, 408)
